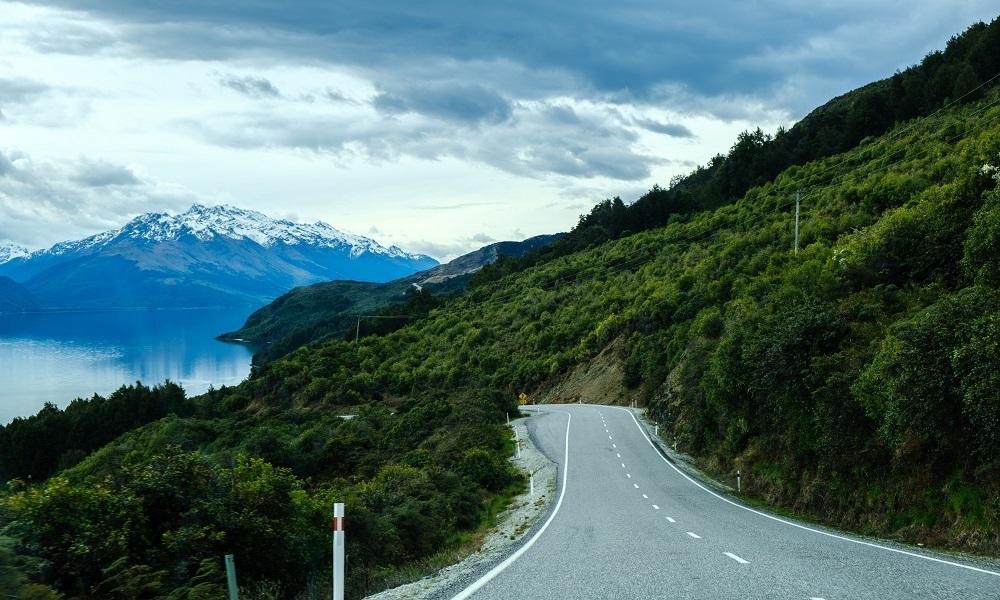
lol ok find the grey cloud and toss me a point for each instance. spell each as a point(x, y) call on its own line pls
point(671, 129)
point(20, 90)
point(253, 87)
point(457, 205)
point(537, 141)
point(467, 103)
point(100, 173)
point(632, 49)
point(42, 203)
point(447, 251)
point(335, 96)
point(443, 252)
point(70, 37)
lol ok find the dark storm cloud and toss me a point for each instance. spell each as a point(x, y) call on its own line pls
point(632, 50)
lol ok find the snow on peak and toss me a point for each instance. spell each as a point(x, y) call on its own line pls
point(9, 251)
point(208, 222)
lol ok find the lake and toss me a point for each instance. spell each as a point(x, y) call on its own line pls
point(57, 357)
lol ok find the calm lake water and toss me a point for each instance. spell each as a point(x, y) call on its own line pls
point(56, 357)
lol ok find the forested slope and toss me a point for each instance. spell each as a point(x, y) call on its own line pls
point(960, 73)
point(854, 380)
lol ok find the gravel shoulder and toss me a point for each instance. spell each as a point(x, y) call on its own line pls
point(513, 527)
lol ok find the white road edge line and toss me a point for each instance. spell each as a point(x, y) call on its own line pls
point(472, 589)
point(694, 535)
point(737, 558)
point(780, 520)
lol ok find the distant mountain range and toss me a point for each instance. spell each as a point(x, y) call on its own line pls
point(308, 314)
point(14, 297)
point(207, 256)
point(10, 251)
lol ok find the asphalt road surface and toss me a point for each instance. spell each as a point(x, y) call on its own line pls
point(628, 524)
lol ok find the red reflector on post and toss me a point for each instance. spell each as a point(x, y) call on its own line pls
point(338, 523)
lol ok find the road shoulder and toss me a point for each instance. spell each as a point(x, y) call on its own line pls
point(513, 526)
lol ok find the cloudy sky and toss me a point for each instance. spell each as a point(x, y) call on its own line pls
point(437, 126)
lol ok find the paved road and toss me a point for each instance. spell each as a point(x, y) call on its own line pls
point(627, 524)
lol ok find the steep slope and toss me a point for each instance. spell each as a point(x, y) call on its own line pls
point(14, 297)
point(207, 256)
point(307, 314)
point(854, 380)
point(960, 73)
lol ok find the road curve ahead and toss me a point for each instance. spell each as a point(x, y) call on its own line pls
point(627, 524)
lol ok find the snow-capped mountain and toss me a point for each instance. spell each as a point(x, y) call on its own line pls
point(209, 222)
point(206, 256)
point(10, 251)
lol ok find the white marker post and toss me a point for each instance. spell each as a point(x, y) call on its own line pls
point(338, 551)
point(234, 591)
point(517, 443)
point(739, 485)
point(656, 430)
point(531, 479)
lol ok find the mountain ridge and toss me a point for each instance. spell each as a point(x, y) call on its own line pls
point(206, 256)
point(309, 313)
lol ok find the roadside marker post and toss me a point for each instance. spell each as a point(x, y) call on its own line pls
point(656, 430)
point(739, 485)
point(234, 591)
point(338, 551)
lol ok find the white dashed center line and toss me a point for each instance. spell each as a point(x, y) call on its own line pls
point(614, 445)
point(635, 485)
point(737, 558)
point(671, 519)
point(694, 535)
point(623, 465)
point(655, 507)
point(610, 438)
point(618, 454)
point(629, 475)
point(645, 497)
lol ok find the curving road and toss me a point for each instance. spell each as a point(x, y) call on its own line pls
point(628, 524)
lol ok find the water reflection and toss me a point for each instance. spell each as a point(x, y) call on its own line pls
point(56, 357)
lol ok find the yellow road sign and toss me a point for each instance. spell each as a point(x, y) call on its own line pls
point(523, 399)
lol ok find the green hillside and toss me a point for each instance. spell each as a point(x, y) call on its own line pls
point(853, 381)
point(310, 314)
